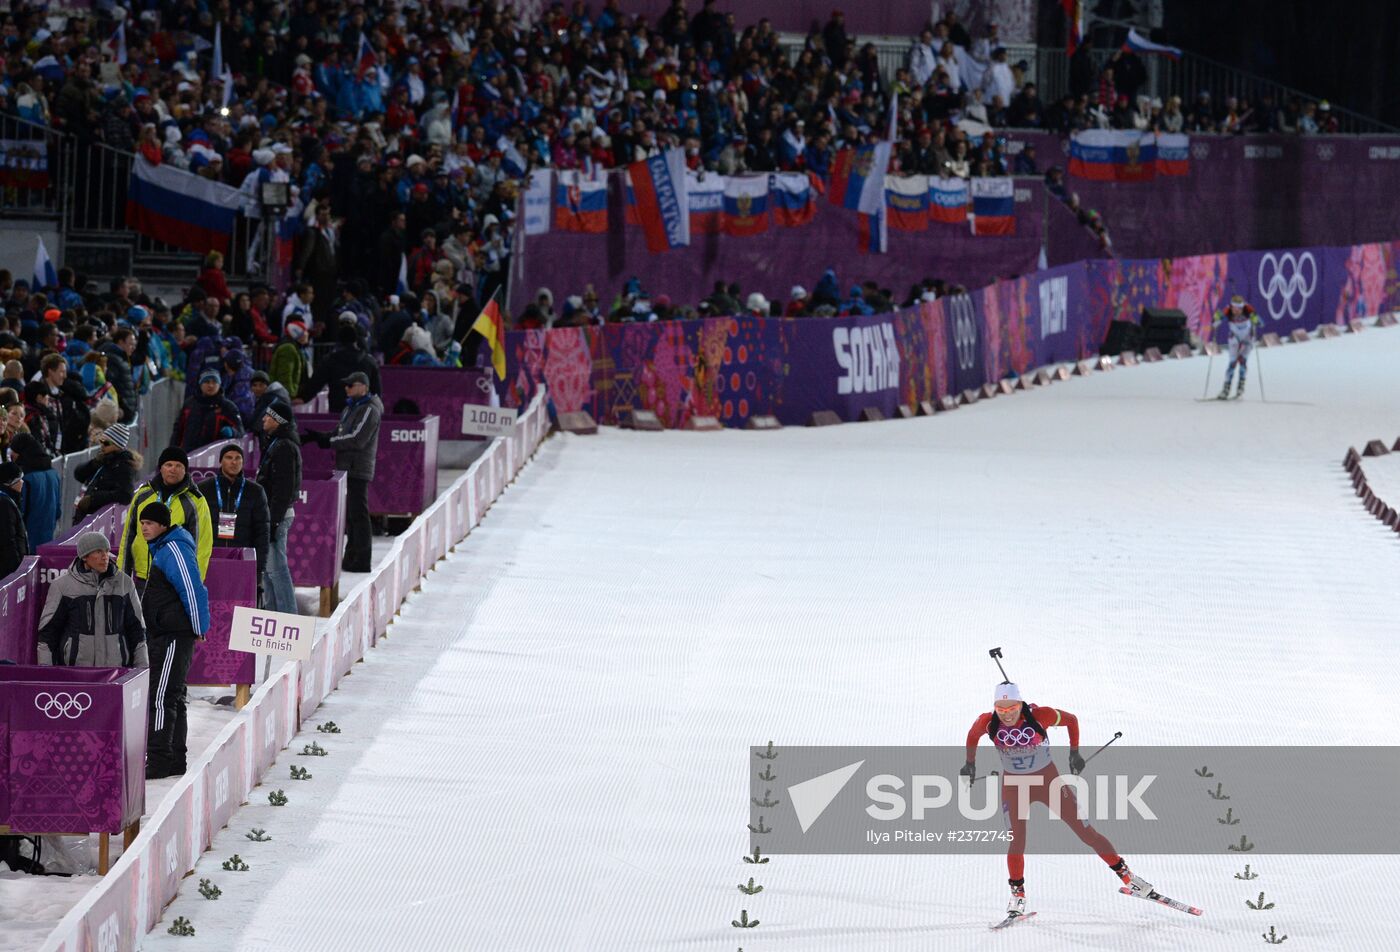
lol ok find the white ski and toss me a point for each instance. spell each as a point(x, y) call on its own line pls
point(1012, 919)
point(1155, 896)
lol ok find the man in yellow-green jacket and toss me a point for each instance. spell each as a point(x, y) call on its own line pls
point(170, 485)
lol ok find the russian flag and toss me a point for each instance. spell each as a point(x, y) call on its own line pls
point(180, 209)
point(1173, 153)
point(705, 196)
point(856, 182)
point(365, 60)
point(993, 206)
point(116, 44)
point(794, 199)
point(906, 202)
point(580, 204)
point(745, 205)
point(947, 200)
point(44, 274)
point(1141, 44)
point(663, 209)
point(1113, 155)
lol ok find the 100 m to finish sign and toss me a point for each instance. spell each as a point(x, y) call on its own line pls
point(487, 421)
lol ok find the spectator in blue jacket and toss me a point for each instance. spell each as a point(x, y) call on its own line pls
point(856, 304)
point(39, 498)
point(175, 604)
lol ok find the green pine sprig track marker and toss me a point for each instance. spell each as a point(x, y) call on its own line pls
point(181, 926)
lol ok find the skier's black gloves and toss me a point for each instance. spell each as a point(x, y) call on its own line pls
point(969, 770)
point(1076, 762)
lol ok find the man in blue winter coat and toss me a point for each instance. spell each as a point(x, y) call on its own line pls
point(175, 604)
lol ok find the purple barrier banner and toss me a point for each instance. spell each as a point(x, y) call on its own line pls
point(405, 470)
point(20, 603)
point(232, 580)
point(735, 368)
point(436, 391)
point(223, 781)
point(320, 516)
point(74, 741)
point(169, 854)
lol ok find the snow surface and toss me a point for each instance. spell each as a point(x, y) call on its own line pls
point(551, 749)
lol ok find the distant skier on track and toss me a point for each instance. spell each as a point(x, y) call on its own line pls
point(1019, 732)
point(1242, 324)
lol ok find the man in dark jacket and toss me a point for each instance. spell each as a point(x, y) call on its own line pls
point(119, 350)
point(14, 540)
point(280, 476)
point(92, 617)
point(238, 507)
point(347, 357)
point(207, 417)
point(175, 604)
point(356, 444)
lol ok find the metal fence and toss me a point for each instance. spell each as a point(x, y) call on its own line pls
point(70, 488)
point(158, 409)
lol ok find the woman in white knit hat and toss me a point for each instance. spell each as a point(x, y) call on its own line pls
point(110, 476)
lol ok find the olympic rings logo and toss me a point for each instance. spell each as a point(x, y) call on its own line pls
point(62, 704)
point(1287, 283)
point(1016, 736)
point(964, 319)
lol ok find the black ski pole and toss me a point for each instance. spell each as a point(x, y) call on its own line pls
point(1116, 735)
point(996, 656)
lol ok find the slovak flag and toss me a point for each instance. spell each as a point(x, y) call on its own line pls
point(906, 202)
point(365, 59)
point(947, 199)
point(794, 199)
point(663, 209)
point(993, 206)
point(580, 204)
point(705, 196)
point(1173, 153)
point(745, 205)
point(116, 44)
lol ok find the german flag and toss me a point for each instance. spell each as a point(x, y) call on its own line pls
point(490, 325)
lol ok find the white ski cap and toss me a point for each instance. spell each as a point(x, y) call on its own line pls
point(1006, 691)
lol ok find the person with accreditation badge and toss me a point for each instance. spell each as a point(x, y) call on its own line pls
point(238, 507)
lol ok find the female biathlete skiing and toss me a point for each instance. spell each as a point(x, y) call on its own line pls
point(1019, 732)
